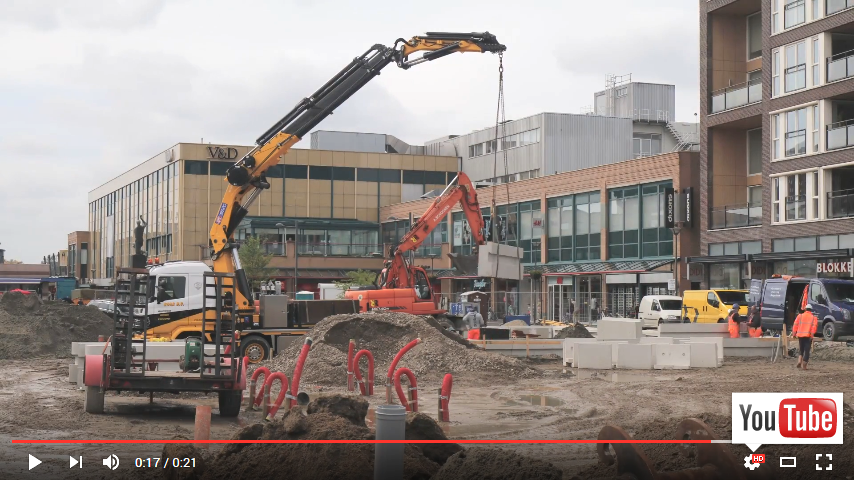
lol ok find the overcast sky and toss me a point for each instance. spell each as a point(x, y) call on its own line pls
point(90, 88)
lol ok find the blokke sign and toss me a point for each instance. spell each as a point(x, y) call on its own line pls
point(786, 418)
point(836, 267)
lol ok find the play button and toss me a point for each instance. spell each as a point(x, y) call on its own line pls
point(34, 462)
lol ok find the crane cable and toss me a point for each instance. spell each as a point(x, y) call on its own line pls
point(500, 123)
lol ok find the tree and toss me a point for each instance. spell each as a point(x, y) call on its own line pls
point(255, 261)
point(356, 278)
point(12, 261)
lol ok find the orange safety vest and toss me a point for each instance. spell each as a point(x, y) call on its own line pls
point(474, 334)
point(733, 327)
point(756, 332)
point(805, 325)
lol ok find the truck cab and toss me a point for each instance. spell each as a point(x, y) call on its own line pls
point(175, 298)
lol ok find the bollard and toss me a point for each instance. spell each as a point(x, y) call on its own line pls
point(388, 457)
point(203, 425)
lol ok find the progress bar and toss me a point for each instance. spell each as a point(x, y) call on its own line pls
point(362, 441)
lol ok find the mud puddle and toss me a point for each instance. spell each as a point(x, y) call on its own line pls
point(618, 377)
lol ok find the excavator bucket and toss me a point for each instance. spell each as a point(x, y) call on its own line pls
point(465, 265)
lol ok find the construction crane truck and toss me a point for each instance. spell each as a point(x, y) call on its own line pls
point(224, 316)
point(402, 287)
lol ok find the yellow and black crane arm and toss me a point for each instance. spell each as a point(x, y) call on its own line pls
point(246, 178)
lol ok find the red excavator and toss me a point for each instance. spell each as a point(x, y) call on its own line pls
point(401, 287)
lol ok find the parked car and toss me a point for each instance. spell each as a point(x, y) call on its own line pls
point(657, 309)
point(712, 306)
point(832, 301)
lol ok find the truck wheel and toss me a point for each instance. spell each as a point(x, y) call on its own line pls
point(229, 403)
point(829, 332)
point(94, 402)
point(256, 348)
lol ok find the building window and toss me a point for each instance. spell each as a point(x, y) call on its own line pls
point(775, 146)
point(796, 133)
point(794, 13)
point(792, 195)
point(560, 229)
point(622, 92)
point(754, 36)
point(587, 226)
point(754, 152)
point(816, 119)
point(814, 191)
point(816, 71)
point(775, 88)
point(735, 248)
point(725, 276)
point(796, 68)
point(623, 225)
point(529, 239)
point(815, 6)
point(775, 16)
point(656, 240)
point(646, 144)
point(754, 195)
point(507, 142)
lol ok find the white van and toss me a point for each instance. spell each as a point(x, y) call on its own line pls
point(657, 309)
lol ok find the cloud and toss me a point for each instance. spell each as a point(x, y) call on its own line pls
point(53, 14)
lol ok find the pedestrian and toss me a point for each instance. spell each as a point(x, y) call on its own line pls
point(804, 329)
point(754, 322)
point(571, 309)
point(732, 321)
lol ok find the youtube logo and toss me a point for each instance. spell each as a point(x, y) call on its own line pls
point(786, 418)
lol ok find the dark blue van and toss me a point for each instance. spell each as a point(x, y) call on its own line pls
point(832, 301)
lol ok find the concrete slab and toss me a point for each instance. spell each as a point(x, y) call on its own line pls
point(636, 356)
point(619, 329)
point(693, 330)
point(750, 347)
point(499, 261)
point(594, 355)
point(671, 356)
point(654, 340)
point(719, 341)
point(703, 355)
point(569, 348)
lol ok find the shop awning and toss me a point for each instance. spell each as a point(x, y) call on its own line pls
point(21, 280)
point(314, 273)
point(636, 266)
point(811, 255)
point(719, 259)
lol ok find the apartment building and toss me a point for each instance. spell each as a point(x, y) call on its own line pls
point(776, 136)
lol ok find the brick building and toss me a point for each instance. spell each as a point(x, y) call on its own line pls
point(776, 134)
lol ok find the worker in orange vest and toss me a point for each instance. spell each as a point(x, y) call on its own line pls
point(804, 329)
point(754, 322)
point(732, 320)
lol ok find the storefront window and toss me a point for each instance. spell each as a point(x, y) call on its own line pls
point(530, 243)
point(588, 213)
point(725, 275)
point(801, 268)
point(462, 235)
point(623, 216)
point(560, 229)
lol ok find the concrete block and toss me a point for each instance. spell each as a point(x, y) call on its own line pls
point(72, 373)
point(619, 329)
point(654, 340)
point(686, 330)
point(635, 356)
point(614, 346)
point(594, 355)
point(499, 261)
point(671, 356)
point(751, 347)
point(719, 341)
point(703, 355)
point(569, 348)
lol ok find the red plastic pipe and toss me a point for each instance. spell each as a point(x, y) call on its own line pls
point(253, 400)
point(445, 397)
point(409, 346)
point(298, 371)
point(350, 351)
point(358, 372)
point(282, 393)
point(411, 406)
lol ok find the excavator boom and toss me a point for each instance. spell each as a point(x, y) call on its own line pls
point(246, 178)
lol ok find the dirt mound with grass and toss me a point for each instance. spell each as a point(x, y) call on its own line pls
point(495, 464)
point(33, 327)
point(337, 417)
point(575, 330)
point(384, 334)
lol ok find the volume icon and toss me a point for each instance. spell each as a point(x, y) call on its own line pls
point(111, 462)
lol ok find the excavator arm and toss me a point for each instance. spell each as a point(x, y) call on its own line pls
point(246, 178)
point(397, 273)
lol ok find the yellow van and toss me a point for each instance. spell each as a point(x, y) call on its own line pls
point(712, 306)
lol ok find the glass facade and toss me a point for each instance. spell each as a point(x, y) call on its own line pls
point(636, 222)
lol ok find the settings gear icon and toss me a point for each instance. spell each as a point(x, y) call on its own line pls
point(748, 463)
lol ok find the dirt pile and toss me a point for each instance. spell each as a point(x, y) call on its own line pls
point(832, 351)
point(495, 464)
point(384, 334)
point(316, 461)
point(32, 327)
point(575, 330)
point(422, 427)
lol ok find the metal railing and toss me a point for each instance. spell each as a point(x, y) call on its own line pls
point(796, 207)
point(834, 6)
point(734, 216)
point(840, 204)
point(325, 249)
point(840, 134)
point(737, 95)
point(840, 66)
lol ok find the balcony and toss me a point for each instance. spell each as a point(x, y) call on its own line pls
point(737, 95)
point(735, 216)
point(840, 134)
point(840, 204)
point(834, 6)
point(840, 66)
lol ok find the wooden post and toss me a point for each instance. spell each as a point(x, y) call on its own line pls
point(439, 397)
point(203, 425)
point(527, 346)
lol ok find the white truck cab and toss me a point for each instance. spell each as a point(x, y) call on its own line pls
point(657, 309)
point(176, 289)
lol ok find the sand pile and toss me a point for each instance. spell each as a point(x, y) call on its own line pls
point(32, 327)
point(495, 464)
point(384, 334)
point(328, 418)
point(575, 330)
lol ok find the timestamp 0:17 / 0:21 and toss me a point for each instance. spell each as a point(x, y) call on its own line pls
point(157, 462)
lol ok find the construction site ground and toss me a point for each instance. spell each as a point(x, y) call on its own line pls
point(37, 402)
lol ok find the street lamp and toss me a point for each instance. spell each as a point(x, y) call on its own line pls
point(432, 257)
point(676, 229)
point(296, 249)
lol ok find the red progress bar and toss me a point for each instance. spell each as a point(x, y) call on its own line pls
point(358, 441)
